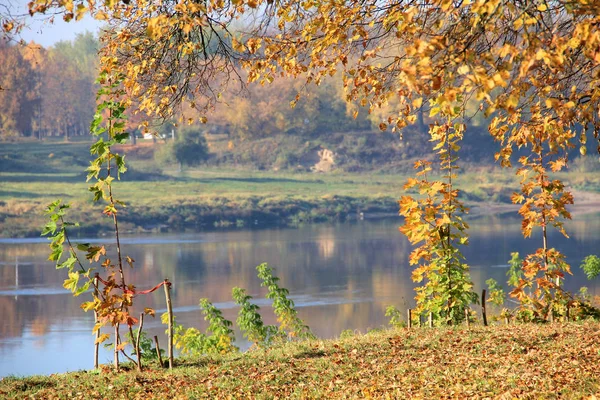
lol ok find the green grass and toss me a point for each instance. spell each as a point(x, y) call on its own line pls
point(35, 174)
point(518, 361)
point(199, 198)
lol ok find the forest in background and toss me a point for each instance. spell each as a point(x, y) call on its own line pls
point(50, 94)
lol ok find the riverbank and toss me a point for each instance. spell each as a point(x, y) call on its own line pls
point(206, 199)
point(230, 197)
point(559, 360)
point(231, 200)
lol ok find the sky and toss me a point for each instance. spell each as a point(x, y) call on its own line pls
point(46, 34)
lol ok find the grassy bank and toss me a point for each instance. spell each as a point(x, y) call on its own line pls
point(210, 197)
point(518, 361)
point(201, 199)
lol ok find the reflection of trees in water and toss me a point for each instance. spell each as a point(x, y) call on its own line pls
point(492, 240)
point(37, 313)
point(11, 324)
point(367, 261)
point(585, 229)
point(29, 252)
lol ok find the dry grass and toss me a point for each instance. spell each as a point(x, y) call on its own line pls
point(521, 361)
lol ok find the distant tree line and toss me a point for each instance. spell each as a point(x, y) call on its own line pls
point(51, 92)
point(48, 92)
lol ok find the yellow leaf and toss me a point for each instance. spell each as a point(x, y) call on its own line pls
point(463, 69)
point(101, 16)
point(149, 311)
point(518, 23)
point(102, 338)
point(97, 327)
point(80, 13)
point(437, 186)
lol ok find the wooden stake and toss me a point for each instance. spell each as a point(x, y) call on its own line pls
point(170, 315)
point(483, 311)
point(160, 360)
point(431, 320)
point(137, 343)
point(467, 315)
point(116, 361)
point(409, 318)
point(96, 344)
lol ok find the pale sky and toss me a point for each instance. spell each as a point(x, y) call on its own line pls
point(46, 34)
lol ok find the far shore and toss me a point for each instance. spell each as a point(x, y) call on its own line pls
point(585, 203)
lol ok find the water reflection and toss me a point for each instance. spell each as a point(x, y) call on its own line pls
point(341, 277)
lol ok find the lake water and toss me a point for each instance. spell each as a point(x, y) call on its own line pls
point(340, 277)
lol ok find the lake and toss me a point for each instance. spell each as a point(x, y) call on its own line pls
point(340, 277)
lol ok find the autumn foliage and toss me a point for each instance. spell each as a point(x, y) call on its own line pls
point(530, 68)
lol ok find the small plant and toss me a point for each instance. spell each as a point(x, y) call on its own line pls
point(218, 339)
point(219, 336)
point(497, 294)
point(498, 297)
point(287, 316)
point(188, 341)
point(147, 349)
point(395, 317)
point(433, 220)
point(347, 333)
point(591, 266)
point(250, 321)
point(222, 336)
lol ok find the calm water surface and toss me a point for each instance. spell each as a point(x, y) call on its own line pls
point(340, 277)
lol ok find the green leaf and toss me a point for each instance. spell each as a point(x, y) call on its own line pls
point(82, 289)
point(68, 263)
point(120, 162)
point(83, 246)
point(50, 228)
point(71, 282)
point(56, 253)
